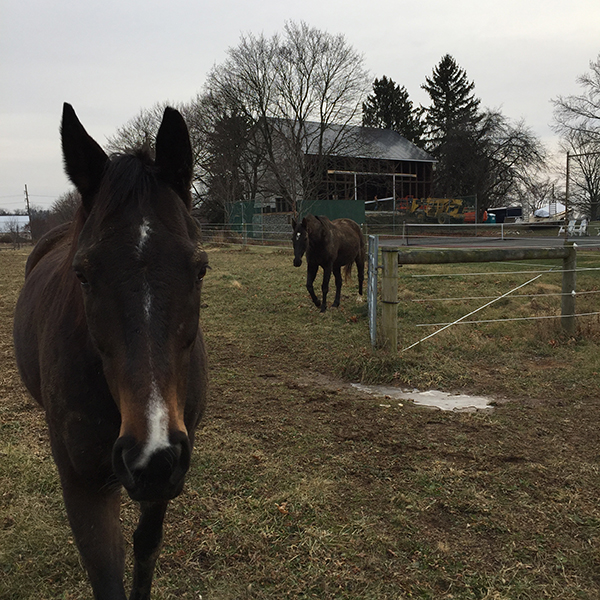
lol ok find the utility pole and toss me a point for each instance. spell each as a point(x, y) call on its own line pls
point(27, 203)
point(28, 211)
point(567, 199)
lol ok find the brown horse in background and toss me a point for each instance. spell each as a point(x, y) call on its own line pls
point(107, 341)
point(330, 245)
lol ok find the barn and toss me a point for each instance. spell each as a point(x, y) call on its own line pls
point(378, 163)
point(357, 165)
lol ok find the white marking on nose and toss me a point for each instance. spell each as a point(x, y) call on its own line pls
point(158, 420)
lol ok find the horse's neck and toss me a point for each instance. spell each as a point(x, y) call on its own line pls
point(319, 246)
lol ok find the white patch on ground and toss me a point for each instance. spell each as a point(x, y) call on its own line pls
point(431, 398)
point(158, 421)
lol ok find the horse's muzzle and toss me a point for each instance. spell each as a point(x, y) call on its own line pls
point(297, 262)
point(161, 476)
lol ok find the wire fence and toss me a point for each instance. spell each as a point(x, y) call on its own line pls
point(462, 309)
point(404, 234)
point(465, 319)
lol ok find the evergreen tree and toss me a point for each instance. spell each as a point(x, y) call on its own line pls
point(451, 123)
point(389, 107)
point(479, 152)
point(453, 105)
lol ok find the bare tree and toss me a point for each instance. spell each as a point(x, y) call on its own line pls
point(13, 231)
point(227, 166)
point(508, 158)
point(584, 172)
point(581, 113)
point(291, 89)
point(64, 208)
point(540, 190)
point(577, 119)
point(138, 131)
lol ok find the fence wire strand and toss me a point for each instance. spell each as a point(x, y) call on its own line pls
point(590, 314)
point(426, 275)
point(515, 296)
point(472, 312)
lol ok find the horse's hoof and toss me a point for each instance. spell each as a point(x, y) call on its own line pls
point(317, 303)
point(323, 308)
point(335, 305)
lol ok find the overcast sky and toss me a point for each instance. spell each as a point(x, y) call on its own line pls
point(112, 58)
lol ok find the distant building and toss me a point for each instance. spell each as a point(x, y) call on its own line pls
point(347, 166)
point(378, 163)
point(13, 224)
point(359, 164)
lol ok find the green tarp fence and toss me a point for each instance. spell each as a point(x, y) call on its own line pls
point(245, 215)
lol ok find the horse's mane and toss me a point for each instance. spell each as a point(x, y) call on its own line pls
point(322, 233)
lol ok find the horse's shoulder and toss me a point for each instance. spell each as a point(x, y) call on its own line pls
point(350, 225)
point(47, 243)
point(345, 222)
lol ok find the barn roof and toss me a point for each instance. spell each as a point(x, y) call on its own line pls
point(367, 142)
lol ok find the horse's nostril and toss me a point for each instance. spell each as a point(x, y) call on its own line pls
point(122, 451)
point(177, 451)
point(158, 475)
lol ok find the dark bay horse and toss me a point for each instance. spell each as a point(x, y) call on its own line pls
point(330, 245)
point(107, 341)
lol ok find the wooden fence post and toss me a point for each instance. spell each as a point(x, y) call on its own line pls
point(392, 256)
point(568, 290)
point(389, 298)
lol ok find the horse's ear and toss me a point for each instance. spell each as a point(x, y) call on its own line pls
point(304, 222)
point(84, 159)
point(294, 224)
point(174, 154)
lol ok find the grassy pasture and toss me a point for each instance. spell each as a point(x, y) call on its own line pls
point(303, 488)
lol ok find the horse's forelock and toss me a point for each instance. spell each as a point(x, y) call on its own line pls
point(129, 178)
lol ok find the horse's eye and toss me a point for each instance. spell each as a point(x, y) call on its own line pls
point(201, 273)
point(82, 279)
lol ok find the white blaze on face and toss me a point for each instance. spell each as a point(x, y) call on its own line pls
point(147, 301)
point(156, 411)
point(144, 234)
point(158, 421)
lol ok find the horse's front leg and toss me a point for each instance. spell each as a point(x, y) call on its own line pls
point(311, 273)
point(147, 541)
point(337, 273)
point(93, 512)
point(325, 286)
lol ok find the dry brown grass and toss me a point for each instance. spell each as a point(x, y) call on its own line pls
point(303, 488)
